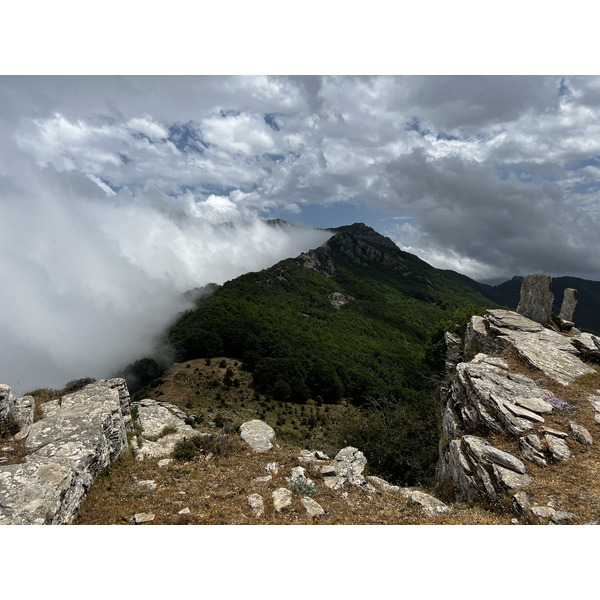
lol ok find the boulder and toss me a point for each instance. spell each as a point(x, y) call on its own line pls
point(257, 434)
point(537, 299)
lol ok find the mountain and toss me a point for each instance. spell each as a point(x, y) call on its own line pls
point(345, 320)
point(507, 294)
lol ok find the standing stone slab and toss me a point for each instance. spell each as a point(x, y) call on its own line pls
point(257, 434)
point(537, 298)
point(569, 305)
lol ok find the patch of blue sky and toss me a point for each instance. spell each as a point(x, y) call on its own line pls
point(187, 138)
point(271, 121)
point(593, 161)
point(338, 214)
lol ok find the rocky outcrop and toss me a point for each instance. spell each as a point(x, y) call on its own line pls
point(483, 398)
point(78, 436)
point(162, 426)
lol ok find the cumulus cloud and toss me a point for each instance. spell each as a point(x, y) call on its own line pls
point(114, 191)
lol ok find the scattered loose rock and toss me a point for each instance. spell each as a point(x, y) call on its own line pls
point(313, 508)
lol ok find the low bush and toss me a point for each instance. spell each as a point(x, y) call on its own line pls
point(9, 426)
point(303, 488)
point(76, 384)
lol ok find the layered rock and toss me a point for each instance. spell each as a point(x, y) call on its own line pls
point(482, 397)
point(79, 435)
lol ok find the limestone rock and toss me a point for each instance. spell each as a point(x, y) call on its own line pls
point(537, 299)
point(272, 467)
point(257, 434)
point(347, 468)
point(313, 508)
point(569, 305)
point(256, 503)
point(558, 447)
point(184, 511)
point(299, 476)
point(263, 479)
point(164, 462)
point(531, 448)
point(140, 518)
point(381, 484)
point(581, 434)
point(81, 434)
point(430, 505)
point(154, 417)
point(282, 499)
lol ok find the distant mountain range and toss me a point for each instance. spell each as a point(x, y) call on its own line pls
point(508, 293)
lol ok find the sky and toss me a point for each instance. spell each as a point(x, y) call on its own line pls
point(119, 193)
point(491, 177)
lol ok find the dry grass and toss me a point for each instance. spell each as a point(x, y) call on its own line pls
point(215, 493)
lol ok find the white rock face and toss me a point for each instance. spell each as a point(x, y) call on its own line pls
point(257, 434)
point(81, 434)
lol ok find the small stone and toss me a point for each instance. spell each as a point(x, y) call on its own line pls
point(282, 499)
point(184, 511)
point(143, 518)
point(262, 479)
point(554, 432)
point(272, 467)
point(514, 521)
point(542, 513)
point(581, 434)
point(181, 493)
point(149, 484)
point(313, 508)
point(562, 517)
point(382, 484)
point(209, 456)
point(320, 455)
point(164, 462)
point(256, 503)
point(430, 505)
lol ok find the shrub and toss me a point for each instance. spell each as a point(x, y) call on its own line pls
point(302, 487)
point(223, 364)
point(400, 441)
point(184, 450)
point(76, 384)
point(167, 430)
point(219, 420)
point(9, 426)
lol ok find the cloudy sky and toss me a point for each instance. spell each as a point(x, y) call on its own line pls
point(114, 190)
